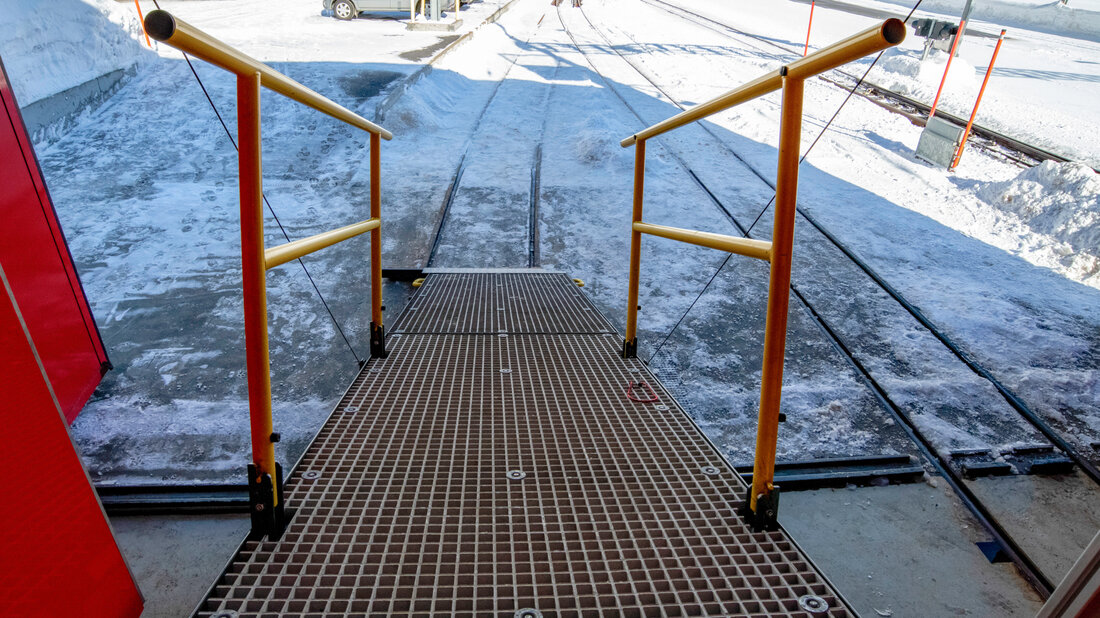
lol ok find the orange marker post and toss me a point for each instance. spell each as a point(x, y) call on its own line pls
point(811, 25)
point(141, 18)
point(943, 80)
point(973, 114)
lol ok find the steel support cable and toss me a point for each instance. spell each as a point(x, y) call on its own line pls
point(1027, 567)
point(271, 210)
point(771, 201)
point(1013, 400)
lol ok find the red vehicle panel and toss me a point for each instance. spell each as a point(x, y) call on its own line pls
point(58, 556)
point(40, 269)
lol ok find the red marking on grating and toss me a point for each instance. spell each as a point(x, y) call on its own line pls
point(479, 475)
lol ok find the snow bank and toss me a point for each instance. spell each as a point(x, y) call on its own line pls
point(422, 108)
point(1079, 18)
point(1060, 200)
point(596, 143)
point(49, 46)
point(903, 72)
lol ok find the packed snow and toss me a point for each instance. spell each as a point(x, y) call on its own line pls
point(49, 47)
point(1003, 258)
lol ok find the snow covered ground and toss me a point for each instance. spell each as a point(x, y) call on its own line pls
point(1004, 259)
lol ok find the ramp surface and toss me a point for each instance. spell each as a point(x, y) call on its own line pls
point(493, 464)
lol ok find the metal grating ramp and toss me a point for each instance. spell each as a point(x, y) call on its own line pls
point(509, 475)
point(500, 302)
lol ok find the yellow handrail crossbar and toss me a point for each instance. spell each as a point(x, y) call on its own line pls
point(750, 247)
point(888, 33)
point(763, 496)
point(165, 27)
point(277, 256)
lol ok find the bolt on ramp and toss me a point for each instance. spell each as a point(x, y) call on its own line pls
point(494, 465)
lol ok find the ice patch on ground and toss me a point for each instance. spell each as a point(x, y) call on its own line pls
point(187, 440)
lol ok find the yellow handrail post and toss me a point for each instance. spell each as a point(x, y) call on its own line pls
point(264, 474)
point(377, 326)
point(763, 499)
point(630, 342)
point(762, 505)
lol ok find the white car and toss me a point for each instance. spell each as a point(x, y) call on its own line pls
point(350, 9)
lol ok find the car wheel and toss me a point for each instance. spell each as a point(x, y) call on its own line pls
point(343, 9)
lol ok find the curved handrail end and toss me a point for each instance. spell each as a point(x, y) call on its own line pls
point(160, 24)
point(893, 30)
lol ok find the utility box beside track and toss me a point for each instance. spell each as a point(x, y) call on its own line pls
point(939, 141)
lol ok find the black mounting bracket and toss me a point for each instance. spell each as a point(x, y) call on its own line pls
point(377, 341)
point(268, 518)
point(630, 348)
point(993, 551)
point(766, 515)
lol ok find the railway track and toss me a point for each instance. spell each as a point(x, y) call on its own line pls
point(532, 240)
point(937, 460)
point(1010, 397)
point(984, 138)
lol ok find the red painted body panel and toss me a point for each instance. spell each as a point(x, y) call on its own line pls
point(58, 556)
point(36, 258)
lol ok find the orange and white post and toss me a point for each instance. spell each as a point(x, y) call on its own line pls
point(974, 113)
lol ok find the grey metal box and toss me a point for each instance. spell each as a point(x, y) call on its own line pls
point(939, 141)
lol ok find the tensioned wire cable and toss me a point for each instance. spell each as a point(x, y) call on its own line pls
point(772, 200)
point(228, 134)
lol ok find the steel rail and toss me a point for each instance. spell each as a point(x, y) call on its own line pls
point(874, 92)
point(763, 498)
point(460, 169)
point(1088, 467)
point(888, 33)
point(268, 509)
point(1027, 567)
point(749, 247)
point(533, 257)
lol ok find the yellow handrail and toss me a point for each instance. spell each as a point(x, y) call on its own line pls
point(165, 27)
point(277, 256)
point(763, 496)
point(888, 33)
point(264, 473)
point(749, 247)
